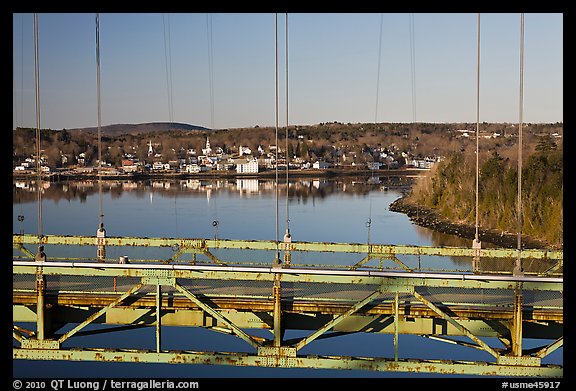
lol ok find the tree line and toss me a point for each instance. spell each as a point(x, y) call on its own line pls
point(313, 142)
point(450, 189)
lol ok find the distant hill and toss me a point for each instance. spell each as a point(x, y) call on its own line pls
point(150, 127)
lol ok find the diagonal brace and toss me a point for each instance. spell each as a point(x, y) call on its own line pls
point(370, 256)
point(462, 329)
point(337, 320)
point(94, 316)
point(17, 336)
point(550, 348)
point(213, 257)
point(238, 331)
point(361, 262)
point(24, 250)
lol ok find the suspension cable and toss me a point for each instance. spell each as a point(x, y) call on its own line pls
point(378, 73)
point(100, 232)
point(99, 116)
point(521, 97)
point(210, 67)
point(20, 116)
point(413, 66)
point(276, 157)
point(476, 238)
point(413, 80)
point(287, 153)
point(168, 62)
point(38, 150)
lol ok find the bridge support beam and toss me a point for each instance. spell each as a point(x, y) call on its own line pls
point(238, 331)
point(99, 313)
point(517, 322)
point(286, 359)
point(338, 319)
point(40, 291)
point(158, 315)
point(462, 329)
point(277, 294)
point(396, 326)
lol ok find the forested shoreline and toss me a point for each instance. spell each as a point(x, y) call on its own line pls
point(449, 191)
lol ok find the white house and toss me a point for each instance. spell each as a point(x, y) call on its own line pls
point(192, 168)
point(320, 165)
point(247, 166)
point(244, 151)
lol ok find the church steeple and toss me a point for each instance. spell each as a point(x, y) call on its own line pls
point(207, 151)
point(150, 151)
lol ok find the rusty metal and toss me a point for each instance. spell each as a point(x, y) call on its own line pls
point(337, 320)
point(99, 313)
point(463, 329)
point(277, 295)
point(40, 291)
point(376, 250)
point(380, 364)
point(322, 299)
point(238, 331)
point(158, 316)
point(517, 323)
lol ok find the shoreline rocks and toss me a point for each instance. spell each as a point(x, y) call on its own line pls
point(429, 218)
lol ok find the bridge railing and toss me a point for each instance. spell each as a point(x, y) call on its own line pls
point(349, 256)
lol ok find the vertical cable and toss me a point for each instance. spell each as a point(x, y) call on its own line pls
point(413, 66)
point(378, 73)
point(21, 121)
point(210, 68)
point(99, 115)
point(100, 232)
point(276, 46)
point(477, 124)
point(521, 97)
point(168, 61)
point(22, 76)
point(38, 150)
point(287, 154)
point(413, 80)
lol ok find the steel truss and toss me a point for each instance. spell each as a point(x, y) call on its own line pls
point(323, 301)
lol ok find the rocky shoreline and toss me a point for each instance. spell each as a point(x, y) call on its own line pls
point(429, 218)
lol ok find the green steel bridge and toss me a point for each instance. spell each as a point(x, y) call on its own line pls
point(323, 290)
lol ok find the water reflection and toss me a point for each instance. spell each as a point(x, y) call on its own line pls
point(301, 189)
point(343, 210)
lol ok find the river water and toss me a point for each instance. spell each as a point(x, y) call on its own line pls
point(339, 210)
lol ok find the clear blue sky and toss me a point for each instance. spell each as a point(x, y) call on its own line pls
point(155, 67)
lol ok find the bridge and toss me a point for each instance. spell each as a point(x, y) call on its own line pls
point(298, 292)
point(240, 287)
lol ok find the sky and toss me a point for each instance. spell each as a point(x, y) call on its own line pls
point(230, 70)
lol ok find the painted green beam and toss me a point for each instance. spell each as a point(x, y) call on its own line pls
point(463, 329)
point(443, 367)
point(99, 313)
point(218, 316)
point(24, 250)
point(337, 320)
point(402, 281)
point(550, 348)
point(376, 250)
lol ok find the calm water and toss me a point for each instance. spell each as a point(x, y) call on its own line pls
point(351, 210)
